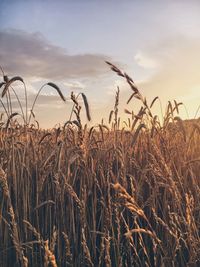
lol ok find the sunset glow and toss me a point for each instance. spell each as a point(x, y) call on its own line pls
point(67, 42)
point(99, 133)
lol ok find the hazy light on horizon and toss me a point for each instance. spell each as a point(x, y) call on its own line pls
point(156, 43)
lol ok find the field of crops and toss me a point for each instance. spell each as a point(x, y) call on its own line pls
point(99, 196)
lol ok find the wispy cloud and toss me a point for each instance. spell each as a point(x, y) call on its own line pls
point(145, 61)
point(74, 85)
point(178, 66)
point(176, 74)
point(30, 54)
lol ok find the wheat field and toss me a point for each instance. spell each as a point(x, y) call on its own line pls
point(99, 196)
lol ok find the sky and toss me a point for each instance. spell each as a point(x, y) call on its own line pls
point(67, 42)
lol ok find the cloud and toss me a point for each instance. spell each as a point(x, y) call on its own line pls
point(144, 61)
point(74, 85)
point(30, 54)
point(175, 76)
point(177, 72)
